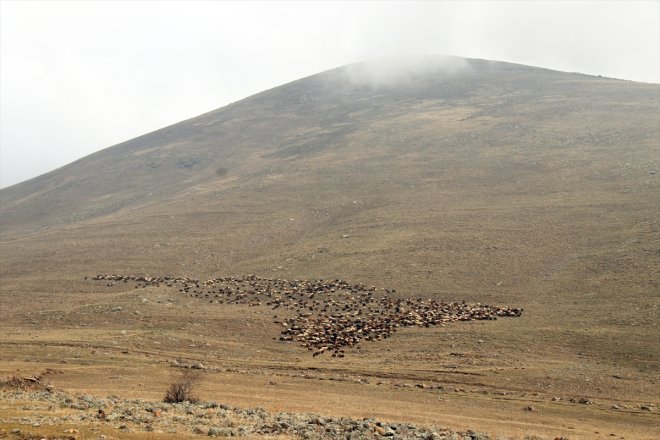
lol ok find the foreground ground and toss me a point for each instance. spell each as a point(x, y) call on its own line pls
point(60, 415)
point(127, 342)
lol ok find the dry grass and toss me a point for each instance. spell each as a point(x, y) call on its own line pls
point(535, 191)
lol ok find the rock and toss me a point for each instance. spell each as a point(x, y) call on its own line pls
point(585, 401)
point(648, 407)
point(477, 435)
point(529, 408)
point(198, 366)
point(309, 435)
point(219, 432)
point(200, 430)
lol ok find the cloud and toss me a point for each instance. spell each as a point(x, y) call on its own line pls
point(403, 69)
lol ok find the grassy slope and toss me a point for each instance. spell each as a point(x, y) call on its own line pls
point(503, 184)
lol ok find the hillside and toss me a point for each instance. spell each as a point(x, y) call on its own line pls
point(450, 178)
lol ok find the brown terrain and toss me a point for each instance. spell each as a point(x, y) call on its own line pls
point(442, 196)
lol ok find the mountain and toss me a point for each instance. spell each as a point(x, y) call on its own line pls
point(419, 156)
point(461, 178)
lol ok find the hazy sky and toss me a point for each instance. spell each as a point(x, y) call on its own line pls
point(76, 77)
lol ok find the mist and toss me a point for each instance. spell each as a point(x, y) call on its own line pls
point(402, 70)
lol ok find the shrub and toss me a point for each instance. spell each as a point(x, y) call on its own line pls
point(181, 388)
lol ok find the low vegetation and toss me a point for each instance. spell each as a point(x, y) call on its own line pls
point(181, 389)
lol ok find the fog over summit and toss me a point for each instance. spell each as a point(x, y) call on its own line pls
point(403, 69)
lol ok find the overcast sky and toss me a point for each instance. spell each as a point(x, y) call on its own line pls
point(76, 77)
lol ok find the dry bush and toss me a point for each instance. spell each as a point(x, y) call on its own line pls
point(181, 388)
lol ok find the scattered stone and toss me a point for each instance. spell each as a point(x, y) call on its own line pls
point(200, 430)
point(219, 432)
point(477, 435)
